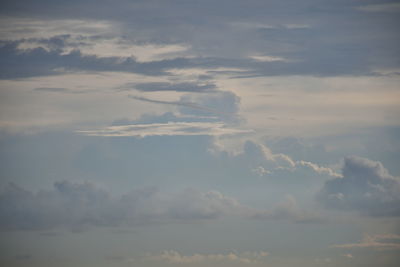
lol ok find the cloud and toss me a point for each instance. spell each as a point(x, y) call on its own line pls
point(267, 58)
point(366, 187)
point(148, 118)
point(79, 205)
point(76, 205)
point(374, 242)
point(318, 169)
point(223, 104)
point(177, 87)
point(174, 257)
point(265, 162)
point(288, 210)
point(386, 8)
point(59, 90)
point(38, 61)
point(52, 89)
point(168, 129)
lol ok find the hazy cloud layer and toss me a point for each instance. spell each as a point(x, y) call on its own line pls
point(375, 242)
point(366, 187)
point(174, 257)
point(78, 205)
point(74, 205)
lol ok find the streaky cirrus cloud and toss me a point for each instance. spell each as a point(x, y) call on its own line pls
point(169, 128)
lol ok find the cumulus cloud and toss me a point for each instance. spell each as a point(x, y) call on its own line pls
point(375, 242)
point(366, 187)
point(75, 205)
point(174, 257)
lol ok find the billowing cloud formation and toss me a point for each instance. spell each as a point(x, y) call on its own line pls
point(174, 257)
point(375, 242)
point(366, 186)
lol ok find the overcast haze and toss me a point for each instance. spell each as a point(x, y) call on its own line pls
point(200, 133)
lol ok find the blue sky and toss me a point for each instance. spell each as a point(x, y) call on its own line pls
point(199, 133)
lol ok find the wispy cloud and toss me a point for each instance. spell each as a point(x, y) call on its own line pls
point(375, 242)
point(170, 128)
point(174, 257)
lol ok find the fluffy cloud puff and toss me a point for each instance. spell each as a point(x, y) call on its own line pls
point(366, 186)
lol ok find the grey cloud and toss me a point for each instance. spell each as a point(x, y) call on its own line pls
point(290, 211)
point(79, 205)
point(366, 187)
point(163, 118)
point(38, 62)
point(375, 242)
point(345, 42)
point(178, 87)
point(52, 89)
point(223, 104)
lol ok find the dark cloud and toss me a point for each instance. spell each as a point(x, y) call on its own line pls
point(366, 187)
point(338, 38)
point(39, 62)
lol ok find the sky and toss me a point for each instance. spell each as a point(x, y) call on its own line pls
point(154, 133)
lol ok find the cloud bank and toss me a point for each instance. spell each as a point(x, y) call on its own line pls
point(366, 187)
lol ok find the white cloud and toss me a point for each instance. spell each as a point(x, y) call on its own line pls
point(170, 128)
point(266, 162)
point(267, 58)
point(318, 169)
point(25, 28)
